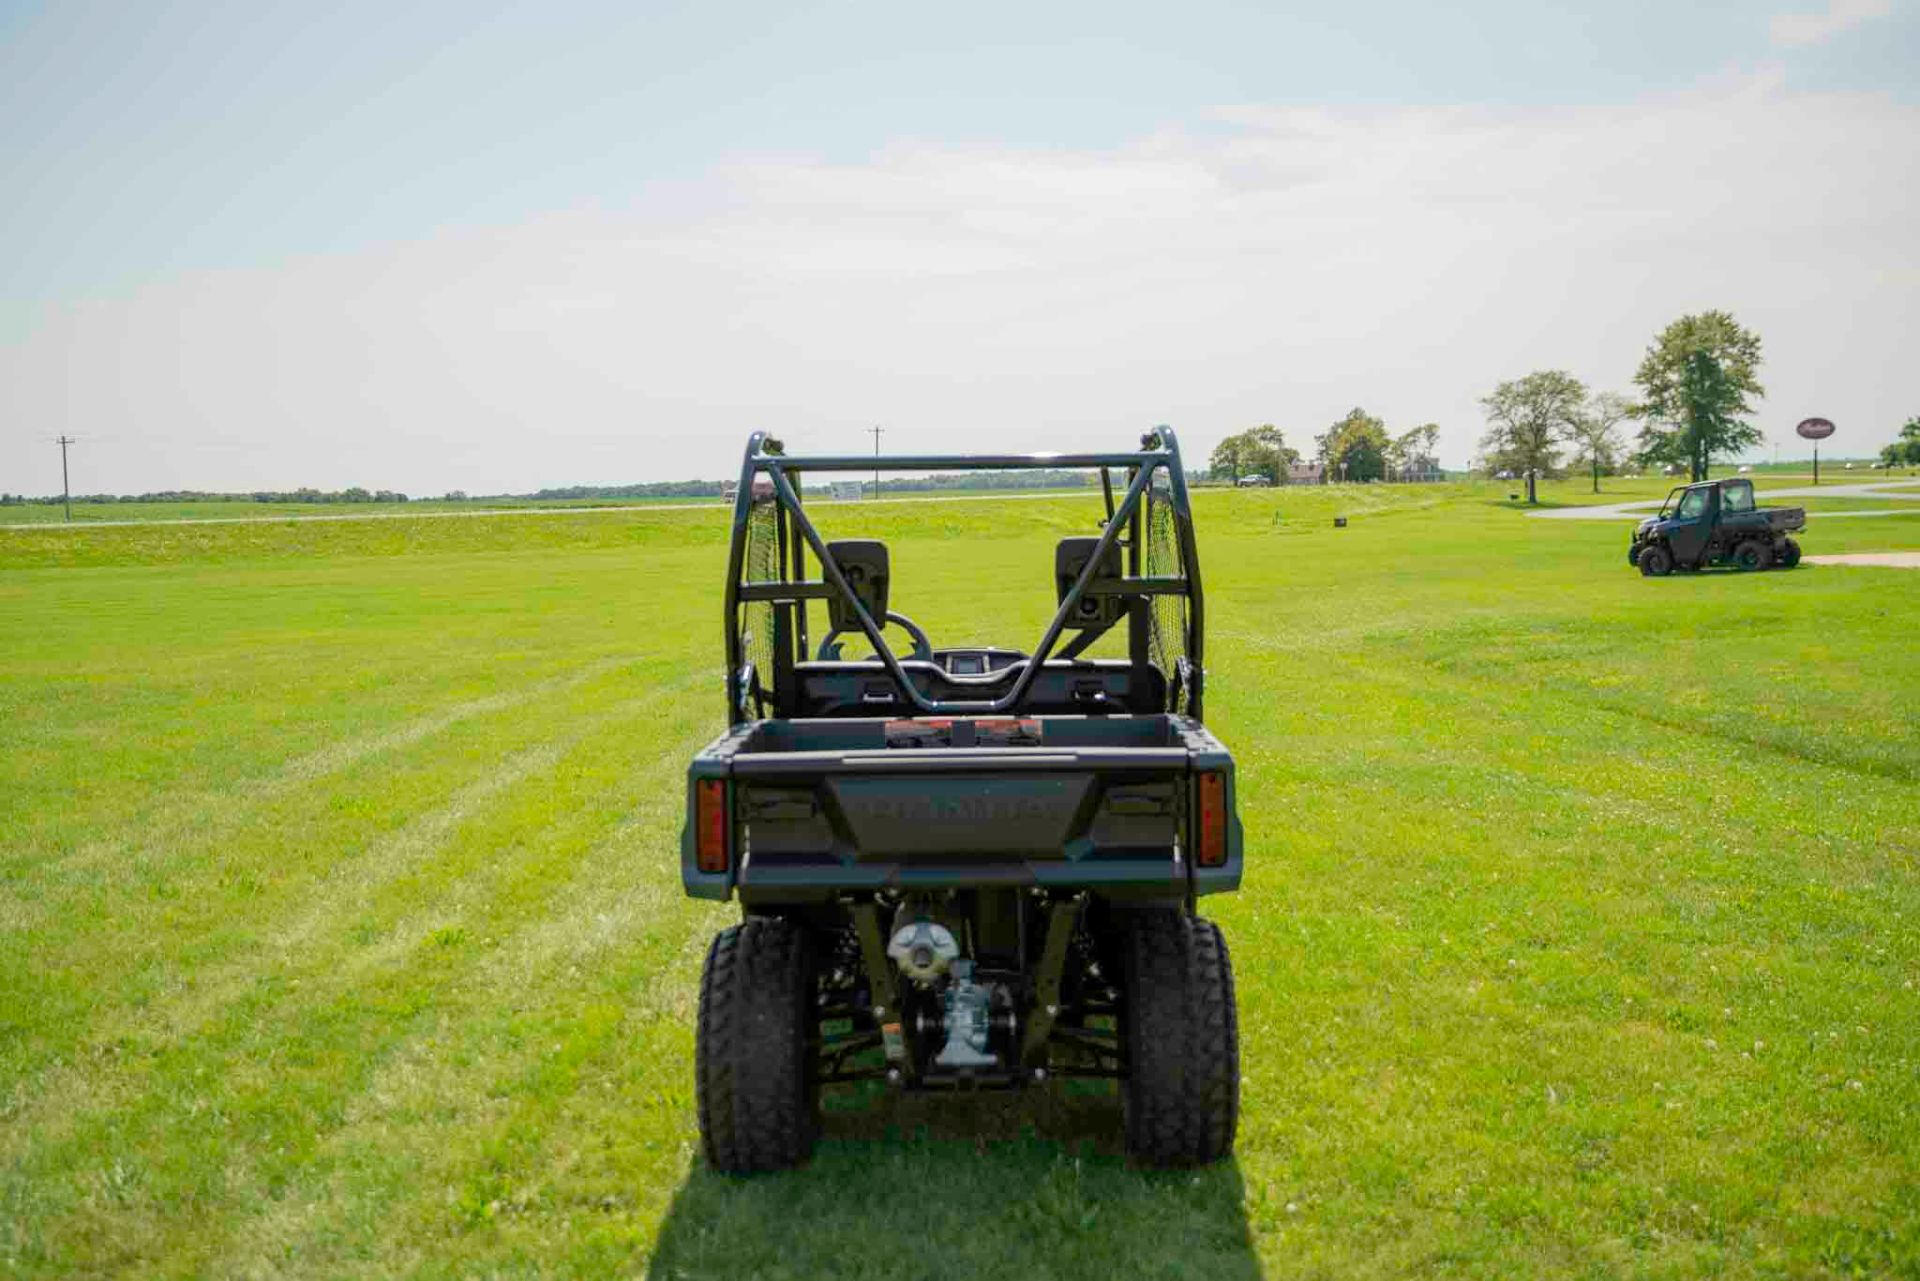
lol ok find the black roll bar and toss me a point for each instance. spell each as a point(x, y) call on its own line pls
point(1159, 451)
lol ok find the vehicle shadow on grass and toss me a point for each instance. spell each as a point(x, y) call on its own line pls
point(1029, 1186)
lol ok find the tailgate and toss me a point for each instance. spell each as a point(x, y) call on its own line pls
point(1106, 803)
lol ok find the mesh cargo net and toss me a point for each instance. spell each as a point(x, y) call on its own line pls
point(1167, 633)
point(761, 565)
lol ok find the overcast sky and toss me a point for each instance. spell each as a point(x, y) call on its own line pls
point(454, 245)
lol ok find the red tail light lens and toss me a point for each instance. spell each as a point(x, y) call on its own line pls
point(710, 825)
point(1211, 842)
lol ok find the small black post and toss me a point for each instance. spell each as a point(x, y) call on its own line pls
point(66, 490)
point(1816, 462)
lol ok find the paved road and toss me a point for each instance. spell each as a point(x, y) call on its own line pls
point(1904, 489)
point(1890, 560)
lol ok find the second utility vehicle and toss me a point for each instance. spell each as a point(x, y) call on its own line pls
point(967, 867)
point(1714, 523)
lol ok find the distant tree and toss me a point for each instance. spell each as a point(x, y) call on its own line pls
point(1528, 419)
point(1595, 433)
point(1270, 452)
point(1904, 451)
point(1696, 380)
point(1413, 451)
point(1355, 448)
point(1259, 451)
point(1228, 457)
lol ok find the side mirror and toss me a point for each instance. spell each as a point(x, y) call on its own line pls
point(1069, 561)
point(864, 562)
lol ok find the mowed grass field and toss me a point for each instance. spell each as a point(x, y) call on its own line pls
point(341, 932)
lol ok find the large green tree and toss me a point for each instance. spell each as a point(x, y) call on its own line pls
point(1904, 452)
point(1529, 418)
point(1595, 434)
point(1259, 451)
point(1355, 448)
point(1698, 378)
point(1228, 458)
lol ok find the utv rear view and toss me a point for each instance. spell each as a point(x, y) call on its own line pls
point(966, 868)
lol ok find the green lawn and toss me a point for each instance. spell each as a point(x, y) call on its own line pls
point(341, 932)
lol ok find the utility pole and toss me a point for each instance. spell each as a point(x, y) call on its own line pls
point(66, 490)
point(876, 459)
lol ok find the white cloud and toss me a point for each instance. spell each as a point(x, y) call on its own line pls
point(1793, 30)
point(1269, 265)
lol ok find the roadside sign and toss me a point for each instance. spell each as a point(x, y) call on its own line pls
point(1815, 430)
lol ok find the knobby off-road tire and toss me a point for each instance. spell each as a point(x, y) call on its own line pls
point(1789, 555)
point(1752, 555)
point(1656, 561)
point(753, 1072)
point(1182, 1089)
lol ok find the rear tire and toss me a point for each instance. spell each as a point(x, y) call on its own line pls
point(1181, 1031)
point(1752, 555)
point(1656, 561)
point(1790, 554)
point(754, 1055)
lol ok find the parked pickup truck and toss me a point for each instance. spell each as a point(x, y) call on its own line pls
point(1714, 523)
point(967, 867)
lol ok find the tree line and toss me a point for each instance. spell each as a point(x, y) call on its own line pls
point(352, 494)
point(1697, 381)
point(1696, 386)
point(1358, 447)
point(1904, 451)
point(1050, 478)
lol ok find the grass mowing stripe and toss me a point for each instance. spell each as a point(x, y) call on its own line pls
point(570, 1033)
point(331, 888)
point(145, 929)
point(620, 908)
point(299, 1020)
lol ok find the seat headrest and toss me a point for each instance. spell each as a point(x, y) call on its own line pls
point(1069, 561)
point(864, 562)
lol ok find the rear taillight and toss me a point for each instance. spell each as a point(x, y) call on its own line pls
point(1211, 842)
point(710, 825)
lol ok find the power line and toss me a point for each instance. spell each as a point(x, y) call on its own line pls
point(66, 490)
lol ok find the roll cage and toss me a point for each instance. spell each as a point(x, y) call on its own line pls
point(1151, 524)
point(1734, 493)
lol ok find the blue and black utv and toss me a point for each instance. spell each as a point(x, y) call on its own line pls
point(1716, 522)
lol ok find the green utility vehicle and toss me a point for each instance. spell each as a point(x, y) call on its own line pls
point(1715, 523)
point(966, 868)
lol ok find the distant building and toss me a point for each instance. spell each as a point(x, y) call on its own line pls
point(846, 491)
point(1306, 474)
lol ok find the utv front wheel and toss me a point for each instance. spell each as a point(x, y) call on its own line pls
point(753, 1074)
point(1182, 1089)
point(1752, 555)
point(1656, 561)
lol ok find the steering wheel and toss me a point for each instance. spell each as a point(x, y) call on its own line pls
point(922, 647)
